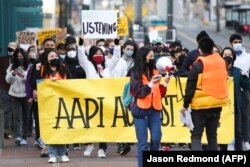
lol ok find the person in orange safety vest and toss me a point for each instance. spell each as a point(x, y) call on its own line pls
point(206, 93)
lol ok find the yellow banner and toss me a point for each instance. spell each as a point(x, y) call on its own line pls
point(122, 26)
point(91, 110)
point(42, 35)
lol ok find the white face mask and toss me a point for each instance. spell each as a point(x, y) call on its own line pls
point(237, 47)
point(71, 54)
point(32, 55)
point(10, 53)
point(62, 56)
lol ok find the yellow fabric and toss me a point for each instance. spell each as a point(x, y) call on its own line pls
point(201, 100)
point(100, 102)
point(152, 99)
point(211, 89)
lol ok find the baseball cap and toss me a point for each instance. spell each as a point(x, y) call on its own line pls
point(12, 45)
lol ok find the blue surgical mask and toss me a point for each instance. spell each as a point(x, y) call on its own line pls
point(111, 51)
point(128, 53)
point(237, 47)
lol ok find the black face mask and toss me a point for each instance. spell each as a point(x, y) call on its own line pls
point(157, 56)
point(158, 49)
point(151, 63)
point(54, 62)
point(228, 60)
point(20, 62)
point(32, 60)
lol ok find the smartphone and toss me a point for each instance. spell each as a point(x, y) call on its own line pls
point(157, 76)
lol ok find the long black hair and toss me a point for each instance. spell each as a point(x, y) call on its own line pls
point(140, 66)
point(15, 63)
point(92, 52)
point(47, 71)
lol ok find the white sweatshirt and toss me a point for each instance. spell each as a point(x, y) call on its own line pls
point(17, 83)
point(243, 61)
point(109, 64)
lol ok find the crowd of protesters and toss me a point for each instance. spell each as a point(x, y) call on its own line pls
point(112, 58)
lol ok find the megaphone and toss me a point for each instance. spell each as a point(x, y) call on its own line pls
point(164, 65)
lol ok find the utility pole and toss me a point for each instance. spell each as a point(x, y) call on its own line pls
point(170, 20)
point(218, 15)
point(138, 12)
point(92, 5)
point(138, 30)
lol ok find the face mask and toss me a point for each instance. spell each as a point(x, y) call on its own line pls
point(111, 51)
point(158, 49)
point(71, 54)
point(128, 53)
point(32, 60)
point(98, 59)
point(20, 62)
point(54, 62)
point(32, 55)
point(62, 56)
point(157, 56)
point(237, 47)
point(228, 60)
point(10, 53)
point(151, 63)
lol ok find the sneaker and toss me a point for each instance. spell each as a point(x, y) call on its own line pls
point(125, 149)
point(77, 147)
point(40, 141)
point(246, 146)
point(44, 152)
point(64, 158)
point(119, 148)
point(88, 150)
point(18, 141)
point(230, 147)
point(38, 145)
point(165, 148)
point(101, 153)
point(23, 142)
point(52, 160)
point(7, 136)
point(183, 145)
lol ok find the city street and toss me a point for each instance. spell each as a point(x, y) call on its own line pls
point(187, 32)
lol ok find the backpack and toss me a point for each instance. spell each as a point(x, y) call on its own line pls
point(127, 99)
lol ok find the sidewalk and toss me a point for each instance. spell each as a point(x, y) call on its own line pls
point(222, 37)
point(29, 156)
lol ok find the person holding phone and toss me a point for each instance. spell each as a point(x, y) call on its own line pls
point(148, 92)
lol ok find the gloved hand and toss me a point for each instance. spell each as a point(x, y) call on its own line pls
point(81, 42)
point(117, 41)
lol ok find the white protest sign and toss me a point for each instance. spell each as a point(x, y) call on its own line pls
point(99, 24)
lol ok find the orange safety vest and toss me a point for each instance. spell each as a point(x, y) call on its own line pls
point(211, 89)
point(152, 99)
point(58, 76)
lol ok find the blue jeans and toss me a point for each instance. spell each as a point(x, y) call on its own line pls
point(21, 116)
point(144, 120)
point(245, 97)
point(56, 150)
point(5, 107)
